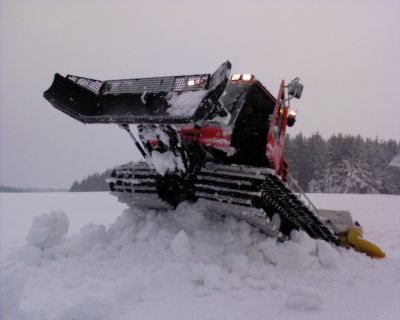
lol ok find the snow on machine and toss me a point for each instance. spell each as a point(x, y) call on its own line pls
point(213, 138)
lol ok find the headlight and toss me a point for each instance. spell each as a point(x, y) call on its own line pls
point(247, 77)
point(236, 77)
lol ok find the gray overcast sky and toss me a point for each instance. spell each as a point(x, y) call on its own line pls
point(346, 53)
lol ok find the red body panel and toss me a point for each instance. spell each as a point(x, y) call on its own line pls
point(219, 137)
point(277, 134)
point(216, 136)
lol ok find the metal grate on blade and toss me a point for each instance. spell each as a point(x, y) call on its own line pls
point(191, 83)
point(138, 85)
point(141, 85)
point(90, 84)
point(159, 84)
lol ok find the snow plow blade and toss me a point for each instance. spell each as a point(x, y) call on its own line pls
point(161, 100)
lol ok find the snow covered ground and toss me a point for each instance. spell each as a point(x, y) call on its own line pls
point(116, 263)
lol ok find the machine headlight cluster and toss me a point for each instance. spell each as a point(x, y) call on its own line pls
point(247, 77)
point(291, 119)
point(244, 77)
point(236, 77)
point(195, 82)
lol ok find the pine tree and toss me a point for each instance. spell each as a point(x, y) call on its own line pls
point(390, 175)
point(347, 169)
point(93, 182)
point(328, 177)
point(316, 154)
point(296, 156)
point(75, 186)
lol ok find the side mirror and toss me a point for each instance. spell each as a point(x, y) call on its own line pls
point(295, 88)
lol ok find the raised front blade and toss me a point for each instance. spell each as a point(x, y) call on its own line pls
point(176, 99)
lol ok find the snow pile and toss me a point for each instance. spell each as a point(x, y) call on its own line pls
point(165, 161)
point(11, 288)
point(187, 263)
point(303, 299)
point(48, 230)
point(161, 161)
point(180, 246)
point(185, 103)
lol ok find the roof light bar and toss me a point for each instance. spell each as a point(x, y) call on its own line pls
point(244, 77)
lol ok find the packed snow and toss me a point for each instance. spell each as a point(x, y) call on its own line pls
point(188, 263)
point(185, 104)
point(163, 162)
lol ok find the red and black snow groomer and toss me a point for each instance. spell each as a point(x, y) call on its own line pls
point(210, 138)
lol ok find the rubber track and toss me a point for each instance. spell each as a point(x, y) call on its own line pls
point(230, 184)
point(274, 193)
point(292, 208)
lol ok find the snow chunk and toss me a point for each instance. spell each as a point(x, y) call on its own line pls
point(289, 254)
point(238, 263)
point(294, 256)
point(245, 230)
point(328, 256)
point(11, 289)
point(208, 276)
point(180, 246)
point(123, 231)
point(304, 240)
point(31, 255)
point(184, 104)
point(304, 299)
point(151, 132)
point(189, 219)
point(90, 236)
point(166, 161)
point(48, 229)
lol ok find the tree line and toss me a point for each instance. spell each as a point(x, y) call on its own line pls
point(7, 189)
point(343, 164)
point(340, 164)
point(93, 182)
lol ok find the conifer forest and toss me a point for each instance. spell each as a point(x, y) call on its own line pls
point(340, 164)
